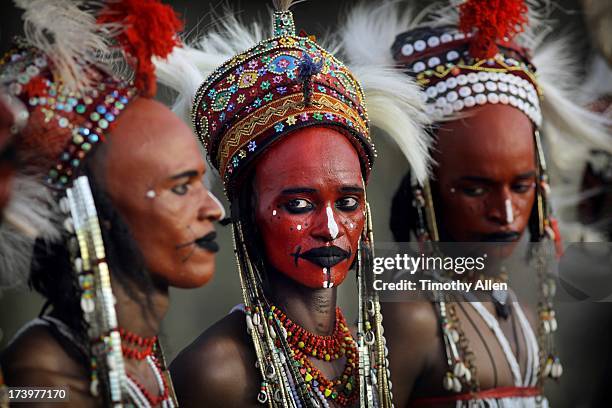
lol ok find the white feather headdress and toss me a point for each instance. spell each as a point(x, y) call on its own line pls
point(31, 214)
point(66, 31)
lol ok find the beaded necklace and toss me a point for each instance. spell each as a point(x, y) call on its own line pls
point(133, 352)
point(140, 396)
point(304, 345)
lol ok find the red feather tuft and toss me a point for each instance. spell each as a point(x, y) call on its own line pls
point(493, 21)
point(150, 30)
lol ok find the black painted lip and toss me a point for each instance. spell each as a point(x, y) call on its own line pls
point(325, 257)
point(510, 236)
point(208, 242)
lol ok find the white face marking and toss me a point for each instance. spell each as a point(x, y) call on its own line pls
point(326, 282)
point(273, 212)
point(352, 225)
point(509, 211)
point(331, 223)
point(216, 200)
point(299, 227)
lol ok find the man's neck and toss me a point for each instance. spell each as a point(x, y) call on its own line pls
point(313, 309)
point(139, 312)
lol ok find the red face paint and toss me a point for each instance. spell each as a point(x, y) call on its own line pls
point(486, 174)
point(310, 206)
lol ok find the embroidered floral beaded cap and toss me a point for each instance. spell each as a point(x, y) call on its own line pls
point(281, 84)
point(473, 63)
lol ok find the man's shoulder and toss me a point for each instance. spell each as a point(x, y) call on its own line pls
point(37, 358)
point(416, 318)
point(36, 347)
point(209, 368)
point(225, 341)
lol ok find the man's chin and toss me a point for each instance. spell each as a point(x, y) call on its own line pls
point(190, 275)
point(317, 278)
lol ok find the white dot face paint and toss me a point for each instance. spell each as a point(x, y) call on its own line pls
point(273, 212)
point(299, 227)
point(509, 211)
point(352, 225)
point(331, 223)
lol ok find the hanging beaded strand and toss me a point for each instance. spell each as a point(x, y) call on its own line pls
point(550, 363)
point(266, 356)
point(384, 386)
point(97, 301)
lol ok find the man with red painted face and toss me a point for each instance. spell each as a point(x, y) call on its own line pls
point(285, 125)
point(112, 191)
point(489, 184)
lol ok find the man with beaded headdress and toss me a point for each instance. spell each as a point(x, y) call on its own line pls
point(481, 88)
point(110, 192)
point(285, 124)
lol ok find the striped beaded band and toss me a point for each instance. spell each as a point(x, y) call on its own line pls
point(100, 110)
point(453, 80)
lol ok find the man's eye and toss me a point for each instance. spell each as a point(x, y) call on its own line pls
point(522, 187)
point(473, 191)
point(298, 206)
point(347, 204)
point(181, 189)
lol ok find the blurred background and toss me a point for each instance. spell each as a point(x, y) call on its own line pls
point(585, 329)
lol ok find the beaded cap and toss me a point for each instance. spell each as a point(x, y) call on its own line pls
point(282, 84)
point(442, 60)
point(64, 125)
point(63, 76)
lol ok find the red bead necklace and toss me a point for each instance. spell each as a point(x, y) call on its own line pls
point(136, 353)
point(325, 348)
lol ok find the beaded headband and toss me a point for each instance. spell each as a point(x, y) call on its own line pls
point(454, 80)
point(71, 97)
point(473, 62)
point(282, 84)
point(65, 125)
